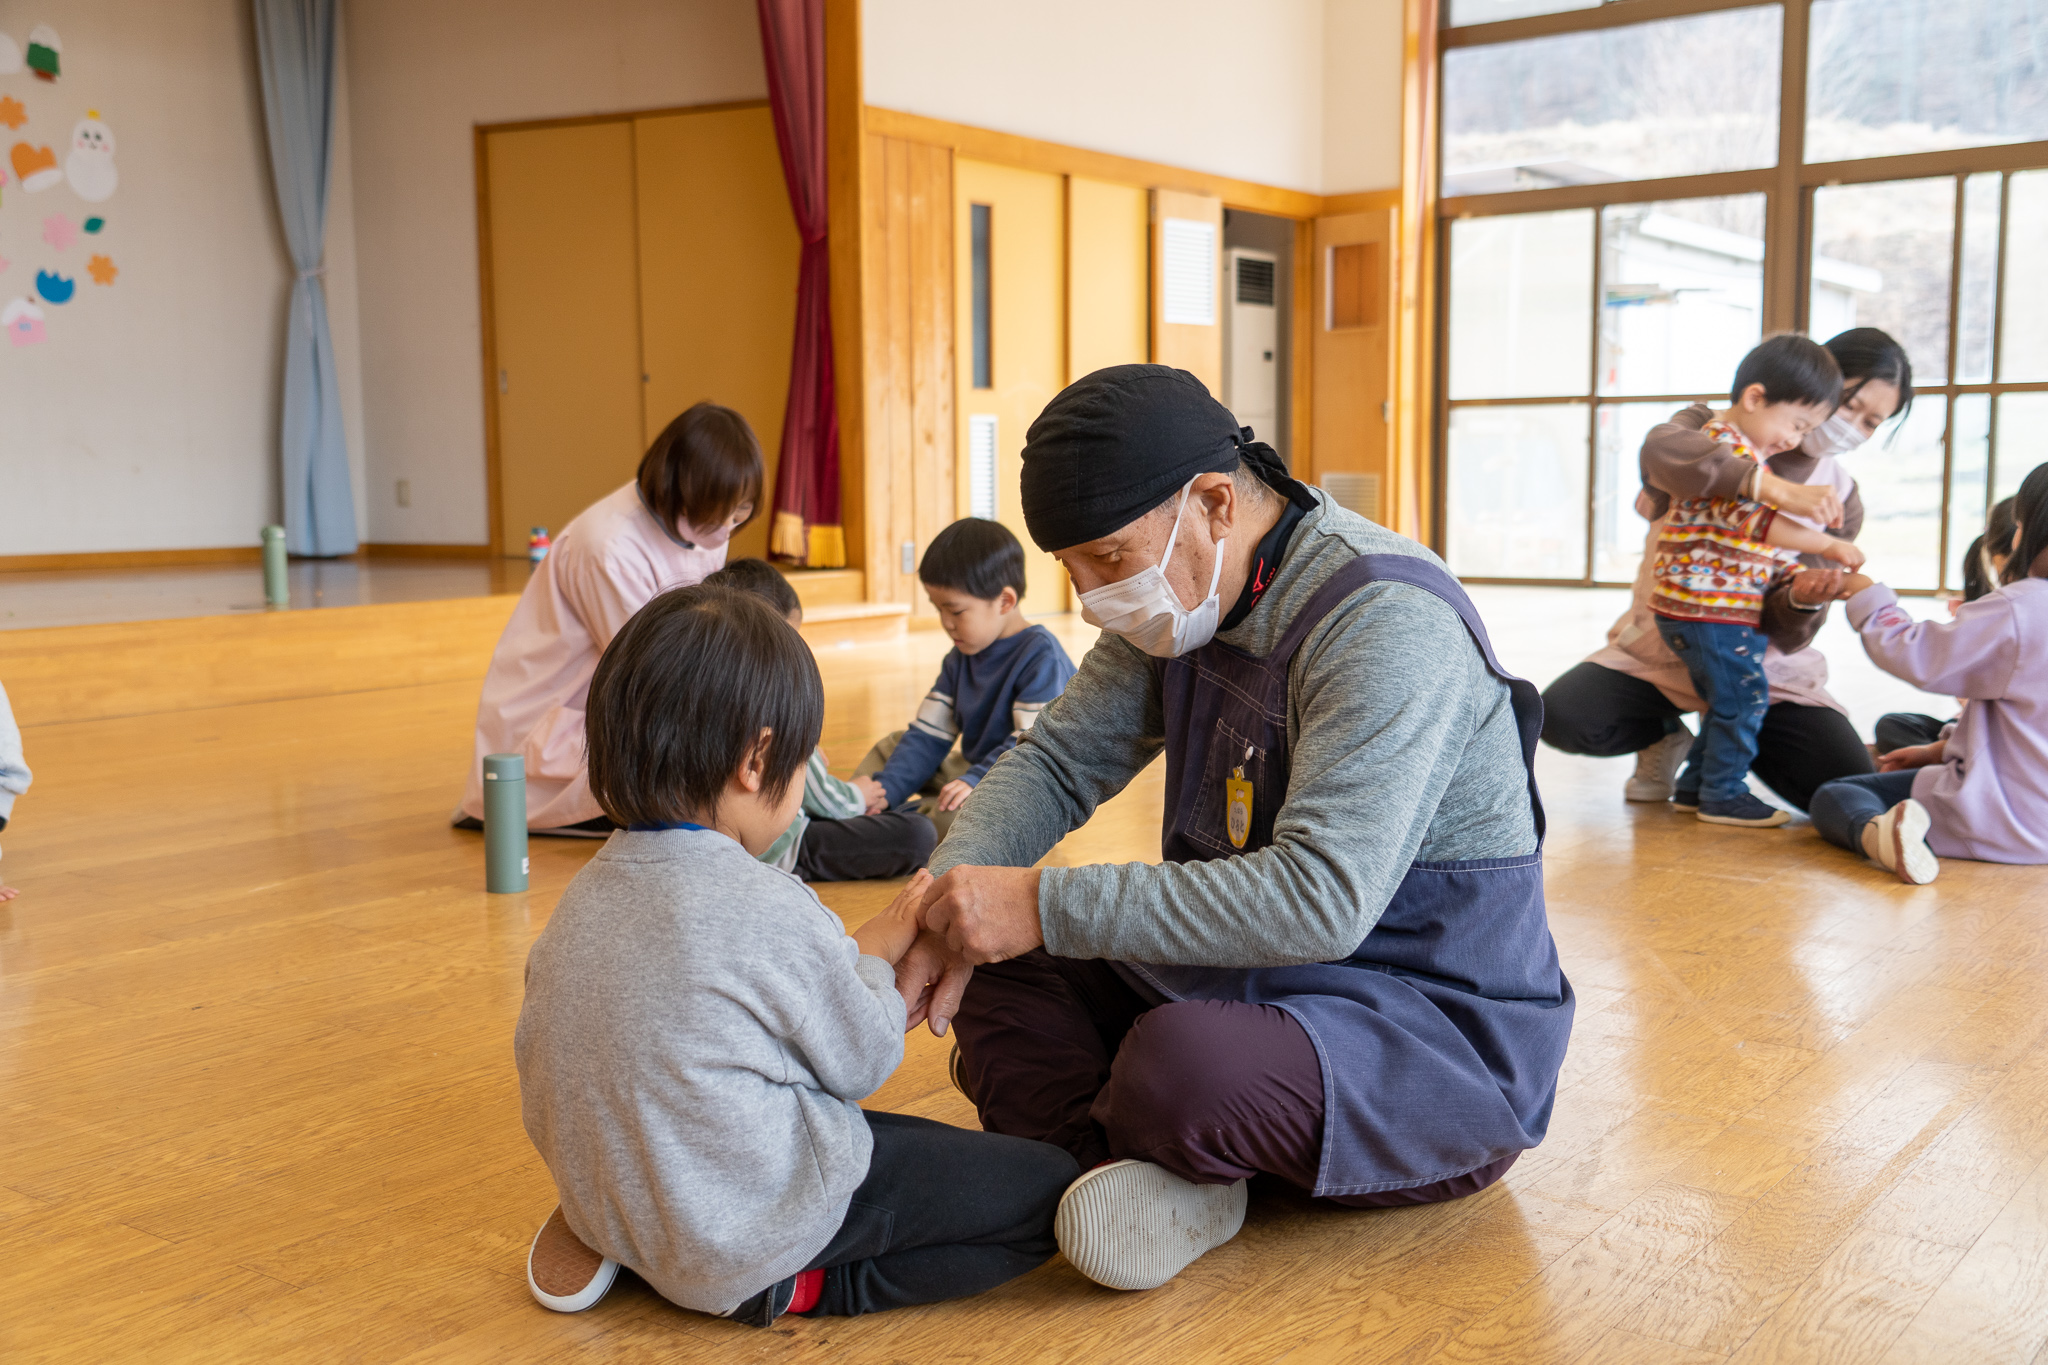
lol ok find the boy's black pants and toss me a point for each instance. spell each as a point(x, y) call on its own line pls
point(894, 843)
point(944, 1212)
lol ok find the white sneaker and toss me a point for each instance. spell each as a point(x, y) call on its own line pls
point(1134, 1225)
point(1657, 766)
point(562, 1272)
point(1898, 840)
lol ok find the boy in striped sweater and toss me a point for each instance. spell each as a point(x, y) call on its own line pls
point(1715, 559)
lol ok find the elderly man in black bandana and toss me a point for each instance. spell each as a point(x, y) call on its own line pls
point(1341, 975)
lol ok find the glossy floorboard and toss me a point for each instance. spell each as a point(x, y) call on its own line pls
point(257, 1099)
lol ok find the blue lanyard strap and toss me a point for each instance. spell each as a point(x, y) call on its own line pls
point(656, 829)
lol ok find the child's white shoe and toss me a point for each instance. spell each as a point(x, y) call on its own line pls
point(1898, 840)
point(1134, 1225)
point(562, 1272)
point(1657, 767)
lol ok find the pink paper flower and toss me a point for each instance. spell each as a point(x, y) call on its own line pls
point(59, 231)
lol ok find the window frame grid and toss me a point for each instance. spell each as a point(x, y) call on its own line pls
point(1788, 190)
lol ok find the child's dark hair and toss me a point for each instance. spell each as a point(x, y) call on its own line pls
point(701, 468)
point(681, 696)
point(762, 579)
point(975, 556)
point(2030, 510)
point(1997, 539)
point(1869, 353)
point(1792, 369)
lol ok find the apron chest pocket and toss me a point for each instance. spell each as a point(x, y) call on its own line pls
point(1233, 810)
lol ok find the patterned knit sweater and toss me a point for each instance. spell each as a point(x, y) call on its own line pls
point(1712, 563)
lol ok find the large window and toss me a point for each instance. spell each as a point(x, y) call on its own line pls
point(1634, 193)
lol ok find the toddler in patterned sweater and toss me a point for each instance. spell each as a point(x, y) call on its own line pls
point(1715, 558)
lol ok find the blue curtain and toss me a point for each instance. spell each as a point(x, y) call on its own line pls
point(295, 47)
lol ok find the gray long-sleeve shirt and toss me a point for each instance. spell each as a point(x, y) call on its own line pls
point(1403, 747)
point(697, 1032)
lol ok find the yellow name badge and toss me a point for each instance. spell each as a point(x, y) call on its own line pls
point(1238, 808)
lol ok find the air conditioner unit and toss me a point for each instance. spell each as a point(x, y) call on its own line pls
point(1251, 341)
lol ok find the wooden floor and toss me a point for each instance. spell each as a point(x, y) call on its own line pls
point(257, 1099)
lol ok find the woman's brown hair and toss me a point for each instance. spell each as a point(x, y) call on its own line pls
point(704, 465)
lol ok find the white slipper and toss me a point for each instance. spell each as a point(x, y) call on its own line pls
point(562, 1272)
point(1134, 1225)
point(1901, 840)
point(1657, 767)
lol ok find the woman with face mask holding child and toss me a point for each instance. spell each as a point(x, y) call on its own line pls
point(698, 483)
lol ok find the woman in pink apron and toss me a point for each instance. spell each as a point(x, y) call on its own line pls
point(698, 483)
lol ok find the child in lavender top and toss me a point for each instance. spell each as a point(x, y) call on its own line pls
point(1982, 792)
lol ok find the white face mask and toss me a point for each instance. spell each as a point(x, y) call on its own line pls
point(1838, 435)
point(704, 538)
point(1145, 609)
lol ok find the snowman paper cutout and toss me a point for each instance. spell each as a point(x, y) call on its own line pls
point(23, 323)
point(90, 167)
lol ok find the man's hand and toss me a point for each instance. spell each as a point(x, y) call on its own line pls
point(985, 914)
point(931, 978)
point(1813, 501)
point(889, 934)
point(871, 792)
point(954, 794)
point(1913, 756)
point(1816, 587)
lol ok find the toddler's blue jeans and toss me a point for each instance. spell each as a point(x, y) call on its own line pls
point(1726, 663)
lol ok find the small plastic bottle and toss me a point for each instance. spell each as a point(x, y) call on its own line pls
point(505, 861)
point(537, 544)
point(277, 584)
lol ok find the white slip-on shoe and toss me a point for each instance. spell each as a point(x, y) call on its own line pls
point(562, 1272)
point(1900, 835)
point(1134, 1225)
point(1656, 766)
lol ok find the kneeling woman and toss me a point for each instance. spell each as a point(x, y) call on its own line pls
point(1982, 792)
point(698, 483)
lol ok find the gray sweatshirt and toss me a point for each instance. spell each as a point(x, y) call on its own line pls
point(1403, 748)
point(697, 1033)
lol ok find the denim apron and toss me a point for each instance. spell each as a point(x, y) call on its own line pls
point(1441, 1036)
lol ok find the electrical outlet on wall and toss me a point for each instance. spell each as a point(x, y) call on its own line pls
point(910, 556)
point(405, 492)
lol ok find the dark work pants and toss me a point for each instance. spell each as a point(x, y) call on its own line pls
point(944, 1212)
point(895, 843)
point(1905, 730)
point(1841, 809)
point(1215, 1091)
point(1605, 713)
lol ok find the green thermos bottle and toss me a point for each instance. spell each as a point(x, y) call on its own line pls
point(277, 587)
point(504, 822)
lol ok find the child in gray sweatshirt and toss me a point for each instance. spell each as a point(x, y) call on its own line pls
point(699, 1029)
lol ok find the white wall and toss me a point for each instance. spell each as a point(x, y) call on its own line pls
point(1361, 95)
point(425, 73)
point(1304, 94)
point(148, 419)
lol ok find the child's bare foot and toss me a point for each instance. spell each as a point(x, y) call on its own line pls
point(8, 893)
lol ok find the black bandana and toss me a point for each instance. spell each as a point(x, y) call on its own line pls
point(1117, 443)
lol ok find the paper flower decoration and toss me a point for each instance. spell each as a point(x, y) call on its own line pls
point(23, 322)
point(13, 112)
point(55, 288)
point(60, 232)
point(102, 270)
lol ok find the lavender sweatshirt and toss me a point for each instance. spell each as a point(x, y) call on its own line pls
point(1989, 799)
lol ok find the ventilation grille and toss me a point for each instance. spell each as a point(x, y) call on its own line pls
point(981, 466)
point(1254, 281)
point(1358, 493)
point(1188, 272)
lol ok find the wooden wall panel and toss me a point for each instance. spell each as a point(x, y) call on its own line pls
point(1109, 316)
point(1198, 350)
point(1353, 374)
point(908, 467)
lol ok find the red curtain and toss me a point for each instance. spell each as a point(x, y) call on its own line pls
point(806, 527)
